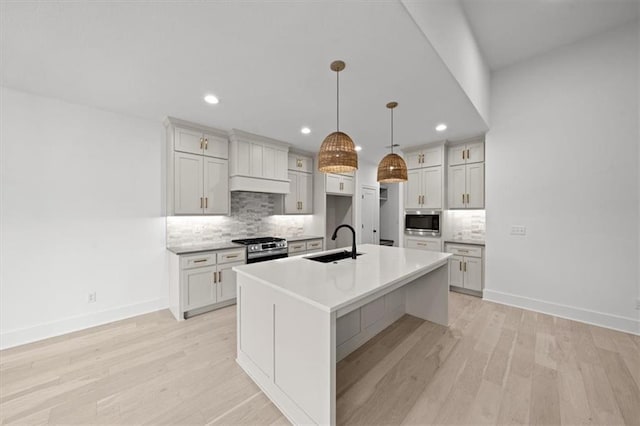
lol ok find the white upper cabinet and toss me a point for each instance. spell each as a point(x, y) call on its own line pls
point(424, 157)
point(423, 189)
point(466, 175)
point(300, 199)
point(216, 186)
point(196, 141)
point(466, 153)
point(197, 169)
point(258, 164)
point(339, 184)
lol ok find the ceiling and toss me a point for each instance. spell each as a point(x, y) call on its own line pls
point(509, 31)
point(268, 62)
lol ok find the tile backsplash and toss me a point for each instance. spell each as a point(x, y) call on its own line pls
point(465, 225)
point(251, 216)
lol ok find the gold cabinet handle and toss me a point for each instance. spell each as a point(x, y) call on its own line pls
point(301, 205)
point(462, 198)
point(418, 199)
point(421, 244)
point(460, 264)
point(206, 143)
point(219, 276)
point(468, 154)
point(232, 256)
point(201, 202)
point(467, 198)
point(465, 267)
point(206, 202)
point(201, 142)
point(215, 277)
point(463, 154)
point(199, 260)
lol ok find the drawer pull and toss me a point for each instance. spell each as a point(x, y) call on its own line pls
point(199, 260)
point(232, 256)
point(421, 244)
point(463, 250)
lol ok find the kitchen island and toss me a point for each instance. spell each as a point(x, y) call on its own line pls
point(298, 317)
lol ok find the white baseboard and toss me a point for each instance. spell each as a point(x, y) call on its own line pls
point(9, 339)
point(615, 322)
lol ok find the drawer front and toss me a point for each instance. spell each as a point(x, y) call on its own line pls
point(198, 260)
point(314, 245)
point(235, 255)
point(297, 247)
point(462, 250)
point(422, 244)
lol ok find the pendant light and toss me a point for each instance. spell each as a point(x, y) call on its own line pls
point(392, 168)
point(337, 152)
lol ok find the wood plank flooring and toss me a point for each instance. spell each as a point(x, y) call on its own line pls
point(493, 365)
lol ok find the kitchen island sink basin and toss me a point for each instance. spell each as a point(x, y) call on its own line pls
point(332, 257)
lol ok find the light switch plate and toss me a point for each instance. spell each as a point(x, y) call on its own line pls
point(518, 230)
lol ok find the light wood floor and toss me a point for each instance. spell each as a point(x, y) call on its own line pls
point(493, 365)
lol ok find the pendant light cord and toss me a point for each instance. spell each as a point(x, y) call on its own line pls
point(337, 101)
point(392, 130)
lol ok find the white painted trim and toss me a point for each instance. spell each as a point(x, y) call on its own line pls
point(601, 319)
point(9, 339)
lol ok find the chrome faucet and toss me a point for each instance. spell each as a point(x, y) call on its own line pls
point(353, 241)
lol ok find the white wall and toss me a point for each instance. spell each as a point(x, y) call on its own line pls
point(81, 211)
point(563, 156)
point(445, 25)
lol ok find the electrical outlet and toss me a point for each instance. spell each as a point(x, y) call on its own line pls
point(92, 297)
point(518, 230)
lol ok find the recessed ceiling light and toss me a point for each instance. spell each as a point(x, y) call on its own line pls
point(305, 130)
point(358, 148)
point(211, 99)
point(441, 127)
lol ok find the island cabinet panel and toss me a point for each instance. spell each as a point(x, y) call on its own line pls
point(301, 358)
point(348, 326)
point(256, 328)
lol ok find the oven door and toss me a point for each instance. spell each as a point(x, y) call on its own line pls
point(267, 255)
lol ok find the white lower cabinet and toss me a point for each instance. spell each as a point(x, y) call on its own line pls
point(203, 280)
point(305, 247)
point(421, 243)
point(466, 267)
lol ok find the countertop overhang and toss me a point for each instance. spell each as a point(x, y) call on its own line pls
point(332, 286)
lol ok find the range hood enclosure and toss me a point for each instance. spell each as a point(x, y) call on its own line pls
point(258, 164)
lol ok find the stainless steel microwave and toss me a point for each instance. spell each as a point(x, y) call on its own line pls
point(426, 224)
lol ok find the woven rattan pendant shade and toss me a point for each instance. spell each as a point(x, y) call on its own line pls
point(392, 168)
point(337, 152)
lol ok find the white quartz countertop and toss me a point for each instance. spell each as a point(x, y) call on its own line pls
point(331, 286)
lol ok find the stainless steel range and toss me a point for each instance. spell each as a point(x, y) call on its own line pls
point(265, 248)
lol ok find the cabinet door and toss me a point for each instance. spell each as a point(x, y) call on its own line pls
point(305, 192)
point(457, 155)
point(475, 186)
point(216, 186)
point(215, 146)
point(268, 162)
point(300, 163)
point(432, 157)
point(244, 158)
point(472, 273)
point(413, 160)
point(333, 183)
point(457, 182)
point(432, 187)
point(475, 152)
point(186, 140)
point(199, 287)
point(456, 274)
point(413, 190)
point(227, 281)
point(256, 160)
point(280, 164)
point(188, 183)
point(291, 205)
point(347, 185)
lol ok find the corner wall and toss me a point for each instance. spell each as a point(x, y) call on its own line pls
point(81, 211)
point(563, 149)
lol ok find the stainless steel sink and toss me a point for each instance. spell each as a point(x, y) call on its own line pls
point(332, 257)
